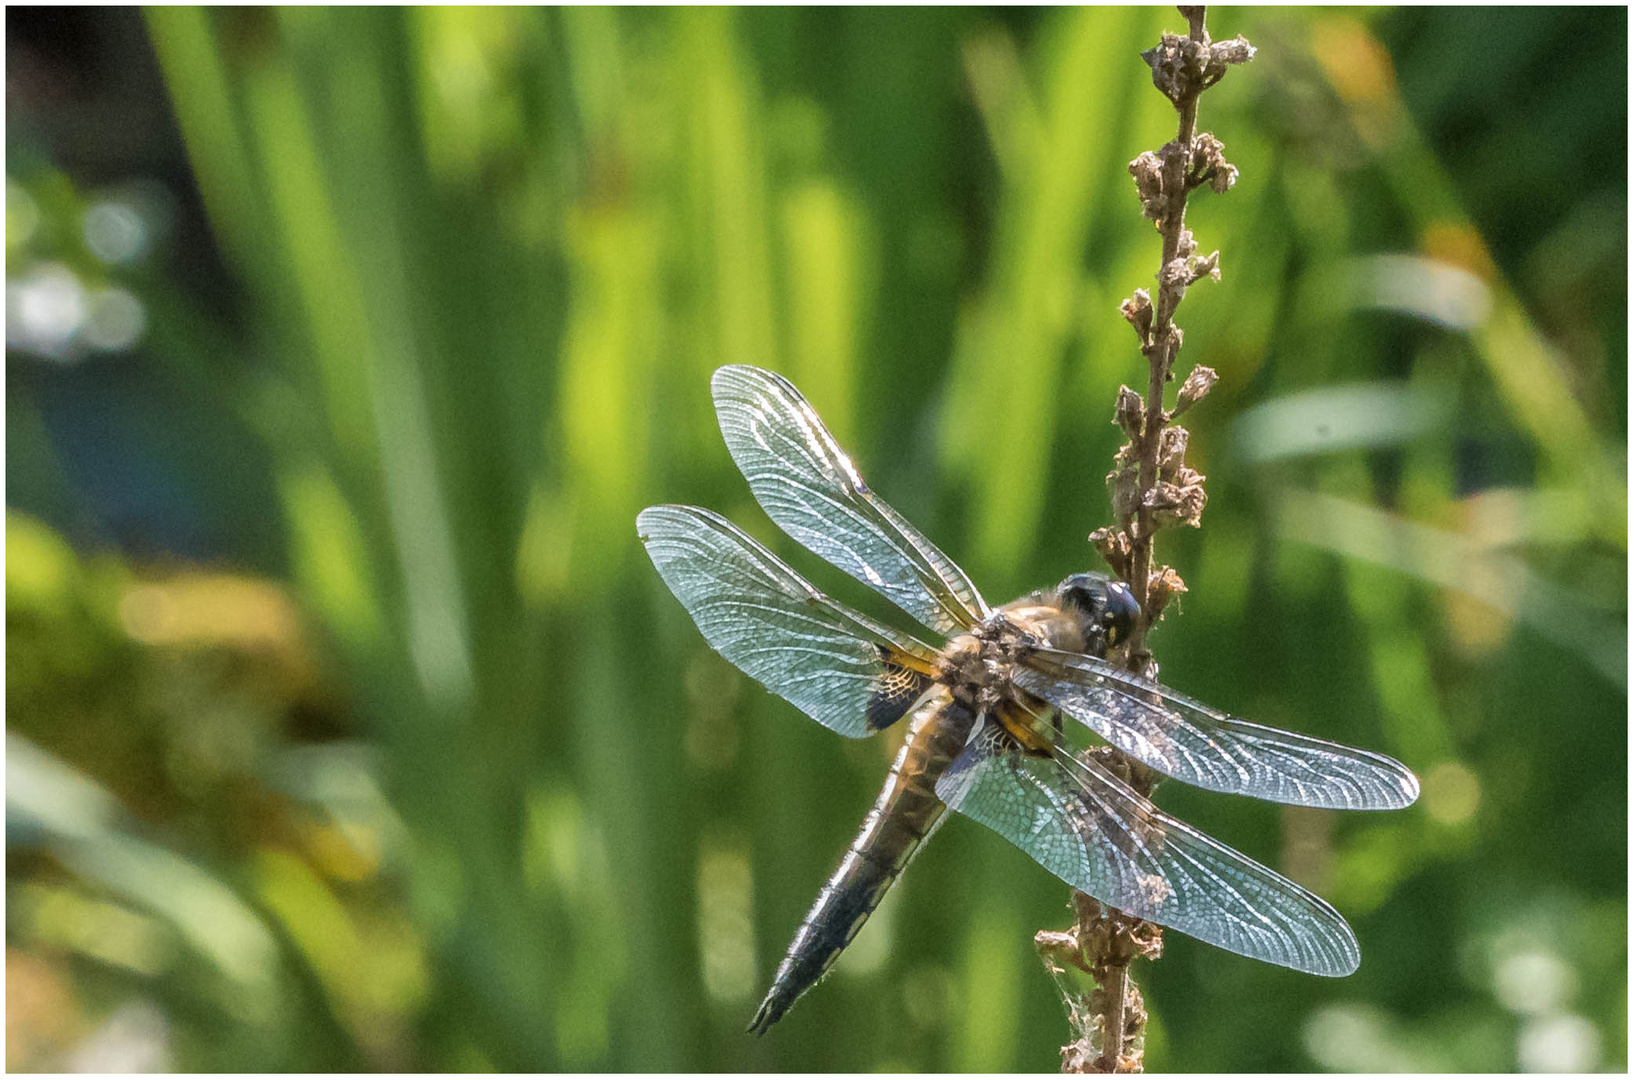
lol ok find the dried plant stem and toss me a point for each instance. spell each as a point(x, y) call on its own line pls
point(1110, 1020)
point(1160, 354)
point(1151, 489)
point(1115, 1020)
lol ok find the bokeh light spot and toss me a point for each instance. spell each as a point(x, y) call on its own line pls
point(927, 995)
point(135, 1038)
point(115, 232)
point(44, 310)
point(1452, 793)
point(22, 216)
point(40, 567)
point(726, 931)
point(554, 840)
point(1533, 982)
point(114, 320)
point(713, 688)
point(1352, 1037)
point(1568, 1043)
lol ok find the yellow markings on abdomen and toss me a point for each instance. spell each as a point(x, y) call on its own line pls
point(1024, 727)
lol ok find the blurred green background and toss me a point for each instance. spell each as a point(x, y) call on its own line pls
point(348, 726)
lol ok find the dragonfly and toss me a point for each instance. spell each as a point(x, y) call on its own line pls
point(984, 691)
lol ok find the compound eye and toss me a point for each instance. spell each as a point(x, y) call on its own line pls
point(1086, 591)
point(1121, 612)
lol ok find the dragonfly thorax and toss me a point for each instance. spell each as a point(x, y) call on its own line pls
point(1086, 613)
point(977, 666)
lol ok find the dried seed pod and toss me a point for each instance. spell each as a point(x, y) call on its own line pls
point(1171, 451)
point(1195, 388)
point(1235, 50)
point(1168, 63)
point(1161, 586)
point(1147, 169)
point(1123, 485)
point(1206, 267)
point(1130, 412)
point(1114, 546)
point(1176, 504)
point(1138, 310)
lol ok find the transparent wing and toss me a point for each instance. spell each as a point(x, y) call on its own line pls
point(810, 487)
point(845, 671)
point(1189, 741)
point(1098, 835)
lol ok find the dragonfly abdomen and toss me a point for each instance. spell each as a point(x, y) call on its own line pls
point(905, 814)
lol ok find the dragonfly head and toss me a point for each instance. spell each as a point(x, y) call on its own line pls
point(1106, 609)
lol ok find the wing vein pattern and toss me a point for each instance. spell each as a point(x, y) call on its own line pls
point(1100, 836)
point(809, 486)
point(1189, 741)
point(821, 657)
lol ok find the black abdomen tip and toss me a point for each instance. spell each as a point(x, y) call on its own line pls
point(770, 1012)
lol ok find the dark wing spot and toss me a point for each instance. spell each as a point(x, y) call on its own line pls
point(895, 691)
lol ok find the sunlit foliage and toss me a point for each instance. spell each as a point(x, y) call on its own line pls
point(348, 727)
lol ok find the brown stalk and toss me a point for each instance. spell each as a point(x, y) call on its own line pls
point(1151, 489)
